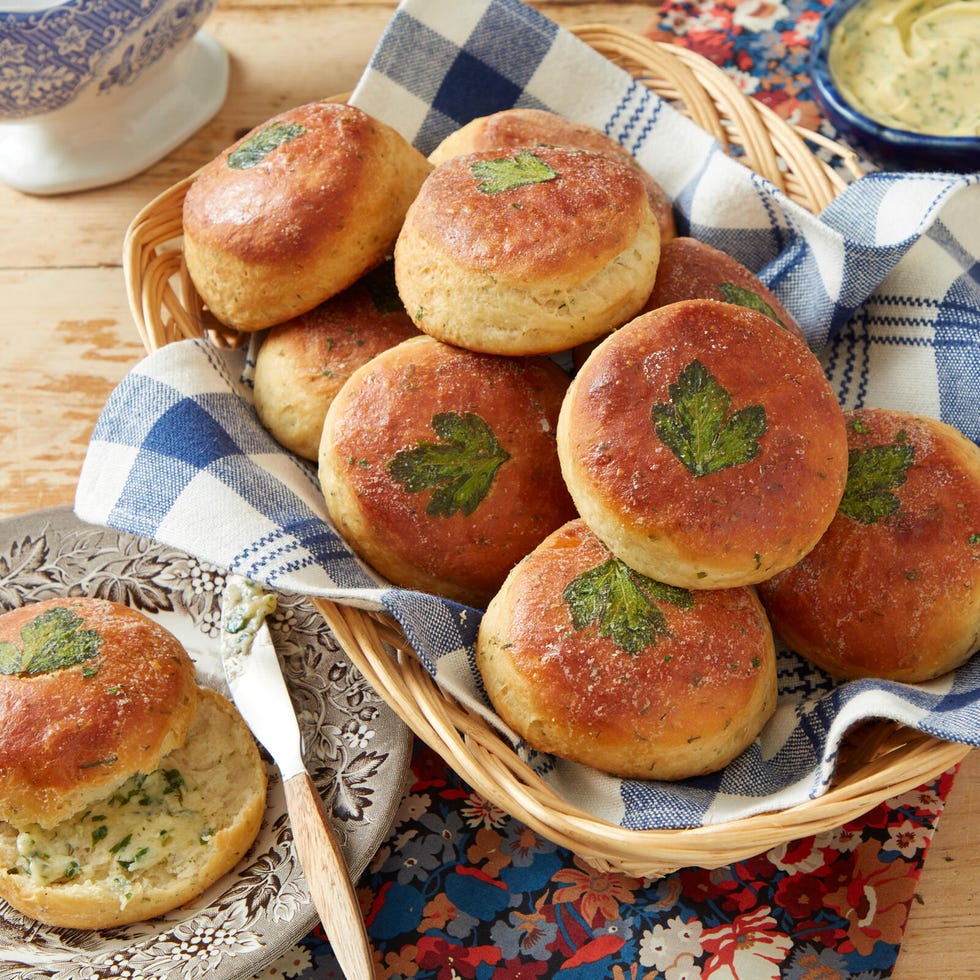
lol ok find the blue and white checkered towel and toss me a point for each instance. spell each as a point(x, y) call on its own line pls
point(886, 284)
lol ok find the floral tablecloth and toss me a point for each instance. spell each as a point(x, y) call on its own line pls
point(762, 45)
point(460, 889)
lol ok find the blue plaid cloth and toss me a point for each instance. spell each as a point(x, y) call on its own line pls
point(886, 283)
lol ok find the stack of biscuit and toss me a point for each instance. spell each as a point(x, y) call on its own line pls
point(634, 524)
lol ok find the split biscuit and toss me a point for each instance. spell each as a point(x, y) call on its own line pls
point(125, 789)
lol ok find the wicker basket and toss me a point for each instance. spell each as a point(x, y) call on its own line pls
point(878, 761)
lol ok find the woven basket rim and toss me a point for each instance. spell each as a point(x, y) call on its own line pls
point(890, 759)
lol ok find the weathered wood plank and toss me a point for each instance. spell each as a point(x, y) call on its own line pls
point(74, 342)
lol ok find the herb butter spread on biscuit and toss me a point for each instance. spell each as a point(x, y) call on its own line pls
point(125, 789)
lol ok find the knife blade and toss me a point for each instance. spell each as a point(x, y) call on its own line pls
point(259, 691)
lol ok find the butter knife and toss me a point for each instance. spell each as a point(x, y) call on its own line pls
point(260, 694)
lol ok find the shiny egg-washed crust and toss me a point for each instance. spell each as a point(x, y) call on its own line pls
point(387, 407)
point(690, 269)
point(302, 363)
point(219, 755)
point(533, 269)
point(738, 525)
point(268, 241)
point(75, 733)
point(518, 127)
point(899, 597)
point(684, 705)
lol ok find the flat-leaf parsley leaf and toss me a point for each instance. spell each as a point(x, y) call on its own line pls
point(260, 144)
point(52, 640)
point(696, 427)
point(622, 604)
point(740, 296)
point(506, 173)
point(872, 474)
point(459, 470)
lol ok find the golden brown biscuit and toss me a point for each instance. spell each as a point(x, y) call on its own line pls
point(892, 590)
point(90, 692)
point(512, 128)
point(157, 842)
point(302, 363)
point(588, 660)
point(439, 466)
point(703, 444)
point(125, 789)
point(295, 211)
point(690, 269)
point(529, 252)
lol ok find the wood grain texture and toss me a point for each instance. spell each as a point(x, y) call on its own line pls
point(327, 877)
point(944, 922)
point(68, 339)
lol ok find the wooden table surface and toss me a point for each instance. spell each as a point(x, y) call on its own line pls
point(68, 338)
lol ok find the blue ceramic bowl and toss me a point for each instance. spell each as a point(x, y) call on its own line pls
point(51, 52)
point(893, 149)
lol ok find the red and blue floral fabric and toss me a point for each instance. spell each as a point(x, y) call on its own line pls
point(462, 890)
point(764, 46)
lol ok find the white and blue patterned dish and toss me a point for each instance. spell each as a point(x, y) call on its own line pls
point(94, 91)
point(357, 750)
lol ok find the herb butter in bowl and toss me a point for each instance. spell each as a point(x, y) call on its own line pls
point(900, 80)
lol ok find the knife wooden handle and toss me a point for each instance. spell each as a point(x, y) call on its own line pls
point(328, 878)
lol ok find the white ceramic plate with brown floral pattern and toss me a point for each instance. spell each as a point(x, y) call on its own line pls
point(357, 751)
